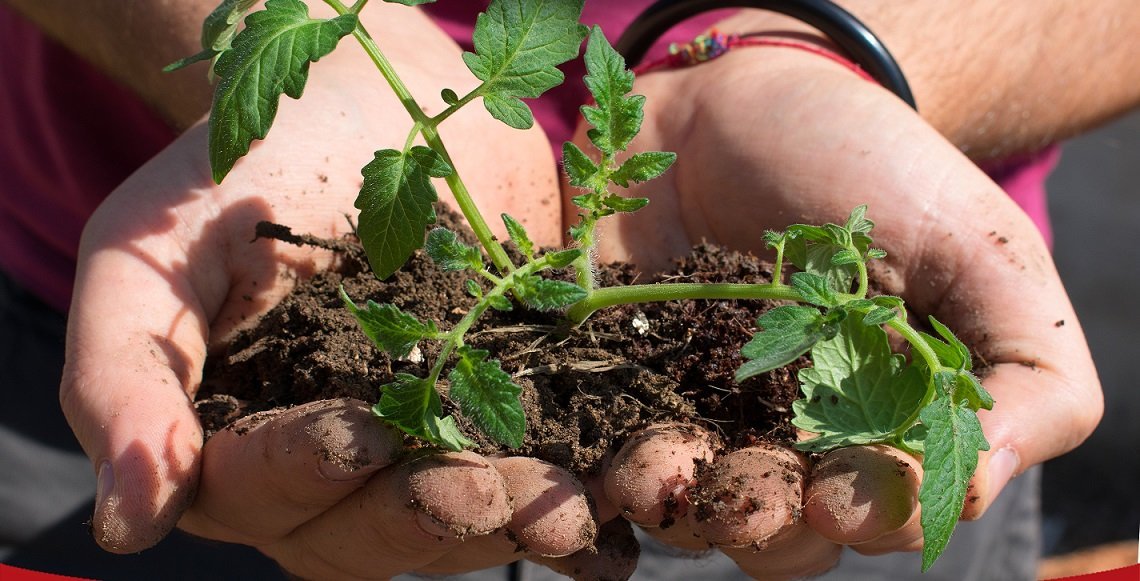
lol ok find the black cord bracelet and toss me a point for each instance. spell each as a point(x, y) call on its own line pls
point(839, 25)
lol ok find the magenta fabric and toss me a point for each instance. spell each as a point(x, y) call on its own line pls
point(69, 136)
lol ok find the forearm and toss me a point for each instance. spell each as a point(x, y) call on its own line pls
point(998, 78)
point(132, 42)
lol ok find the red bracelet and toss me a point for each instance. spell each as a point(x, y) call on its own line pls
point(713, 44)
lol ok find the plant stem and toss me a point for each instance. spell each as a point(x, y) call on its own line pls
point(646, 293)
point(467, 205)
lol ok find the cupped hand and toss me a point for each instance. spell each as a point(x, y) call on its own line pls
point(767, 137)
point(167, 270)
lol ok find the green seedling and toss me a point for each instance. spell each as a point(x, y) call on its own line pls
point(857, 391)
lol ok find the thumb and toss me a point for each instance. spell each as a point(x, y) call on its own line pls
point(135, 347)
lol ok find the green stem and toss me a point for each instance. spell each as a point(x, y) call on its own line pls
point(443, 115)
point(777, 271)
point(467, 205)
point(861, 292)
point(646, 293)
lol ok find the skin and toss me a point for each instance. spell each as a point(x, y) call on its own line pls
point(131, 365)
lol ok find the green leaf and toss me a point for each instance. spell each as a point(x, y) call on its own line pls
point(395, 205)
point(787, 333)
point(814, 289)
point(449, 97)
point(488, 397)
point(518, 234)
point(811, 249)
point(581, 170)
point(518, 45)
point(410, 2)
point(563, 258)
point(959, 347)
point(445, 249)
point(876, 254)
point(615, 118)
point(500, 303)
point(642, 167)
point(389, 328)
point(218, 32)
point(879, 316)
point(953, 439)
point(845, 257)
point(473, 288)
point(412, 405)
point(857, 391)
point(968, 389)
point(546, 294)
point(269, 58)
point(622, 204)
point(858, 222)
point(947, 355)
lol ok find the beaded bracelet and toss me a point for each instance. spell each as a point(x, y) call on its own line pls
point(846, 31)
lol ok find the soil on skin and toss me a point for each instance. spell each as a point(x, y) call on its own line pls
point(584, 393)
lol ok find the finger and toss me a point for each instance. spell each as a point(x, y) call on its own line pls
point(613, 555)
point(649, 476)
point(861, 493)
point(268, 473)
point(747, 496)
point(135, 346)
point(796, 552)
point(404, 518)
point(552, 515)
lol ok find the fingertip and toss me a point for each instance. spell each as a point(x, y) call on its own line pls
point(649, 476)
point(860, 493)
point(552, 515)
point(460, 491)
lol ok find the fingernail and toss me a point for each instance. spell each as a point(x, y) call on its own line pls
point(1003, 464)
point(433, 526)
point(105, 485)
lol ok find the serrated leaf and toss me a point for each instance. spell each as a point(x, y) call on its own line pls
point(518, 45)
point(445, 249)
point(857, 221)
point(412, 405)
point(876, 254)
point(970, 391)
point(218, 32)
point(857, 391)
point(269, 58)
point(563, 258)
point(642, 167)
point(773, 239)
point(622, 204)
point(391, 329)
point(787, 332)
point(953, 439)
point(812, 249)
point(615, 118)
point(488, 397)
point(879, 316)
point(395, 205)
point(546, 294)
point(518, 234)
point(814, 289)
point(581, 170)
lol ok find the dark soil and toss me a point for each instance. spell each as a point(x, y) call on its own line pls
point(585, 392)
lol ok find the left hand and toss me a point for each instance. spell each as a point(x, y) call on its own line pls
point(767, 137)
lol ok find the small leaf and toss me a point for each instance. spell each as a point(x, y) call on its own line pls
point(412, 405)
point(581, 170)
point(845, 257)
point(518, 45)
point(945, 333)
point(774, 239)
point(449, 97)
point(218, 32)
point(947, 355)
point(876, 254)
point(857, 391)
point(518, 234)
point(858, 222)
point(970, 391)
point(500, 303)
point(814, 289)
point(410, 2)
point(787, 333)
point(953, 439)
point(395, 205)
point(563, 258)
point(546, 294)
point(622, 204)
point(889, 301)
point(445, 249)
point(473, 288)
point(390, 329)
point(488, 397)
point(642, 167)
point(615, 118)
point(269, 58)
point(879, 316)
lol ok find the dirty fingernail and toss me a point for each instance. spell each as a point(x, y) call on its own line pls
point(105, 485)
point(1002, 466)
point(433, 526)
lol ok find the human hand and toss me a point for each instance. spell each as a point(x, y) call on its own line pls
point(167, 271)
point(767, 137)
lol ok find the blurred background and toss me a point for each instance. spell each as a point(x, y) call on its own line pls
point(1092, 495)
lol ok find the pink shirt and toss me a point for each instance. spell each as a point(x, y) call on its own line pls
point(69, 136)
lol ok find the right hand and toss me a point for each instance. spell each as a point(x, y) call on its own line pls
point(167, 271)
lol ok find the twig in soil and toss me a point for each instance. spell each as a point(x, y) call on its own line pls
point(579, 366)
point(272, 231)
